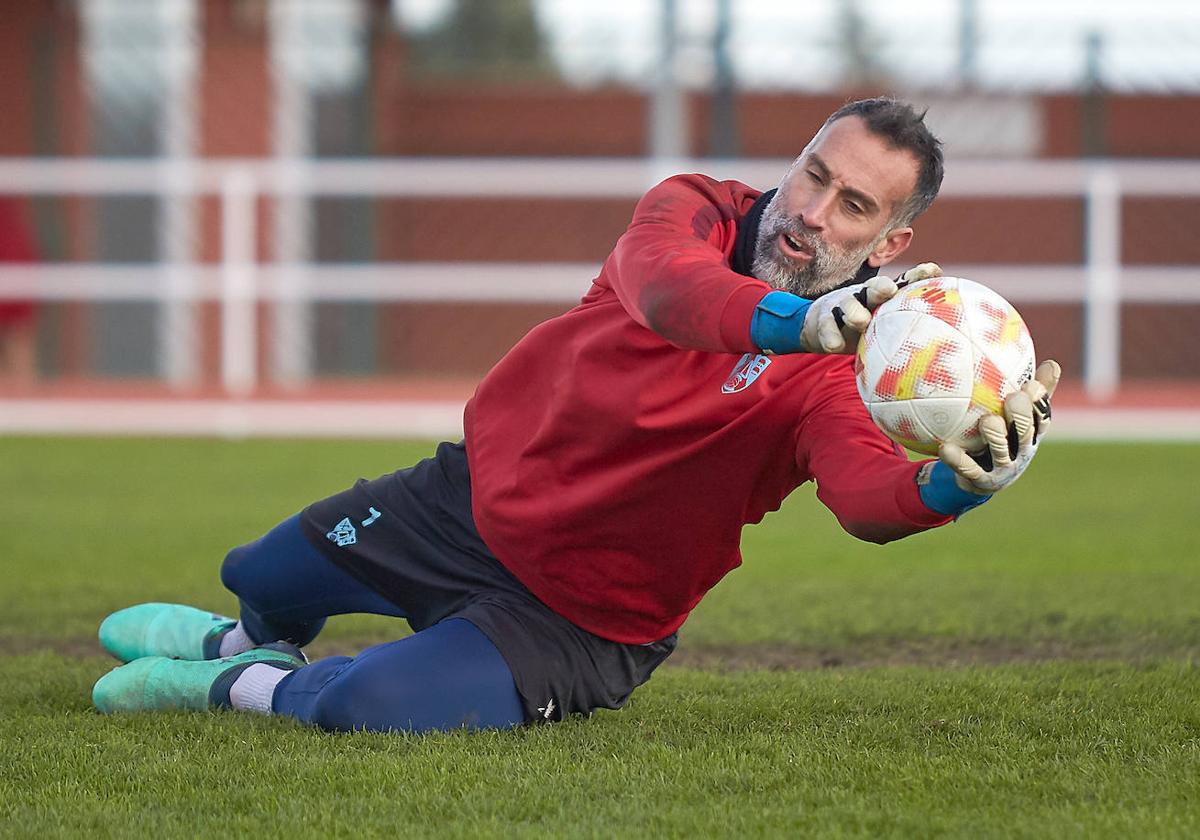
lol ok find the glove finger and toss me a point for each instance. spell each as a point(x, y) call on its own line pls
point(924, 271)
point(877, 290)
point(829, 335)
point(1040, 388)
point(964, 466)
point(853, 314)
point(1048, 374)
point(994, 432)
point(1034, 390)
point(1018, 411)
point(1040, 403)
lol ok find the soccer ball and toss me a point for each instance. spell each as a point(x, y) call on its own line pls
point(936, 358)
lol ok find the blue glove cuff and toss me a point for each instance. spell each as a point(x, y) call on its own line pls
point(942, 494)
point(775, 325)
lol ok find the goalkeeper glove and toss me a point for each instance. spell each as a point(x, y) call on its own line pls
point(1012, 440)
point(833, 323)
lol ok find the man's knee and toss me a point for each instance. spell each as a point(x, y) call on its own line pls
point(234, 568)
point(253, 571)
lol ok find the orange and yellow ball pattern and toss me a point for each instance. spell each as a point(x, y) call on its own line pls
point(939, 356)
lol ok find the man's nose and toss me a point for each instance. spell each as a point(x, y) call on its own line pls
point(816, 210)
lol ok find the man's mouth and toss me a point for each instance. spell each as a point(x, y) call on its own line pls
point(794, 249)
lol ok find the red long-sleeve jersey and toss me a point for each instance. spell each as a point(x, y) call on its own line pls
point(617, 450)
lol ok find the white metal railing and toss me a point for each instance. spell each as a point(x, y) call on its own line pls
point(239, 281)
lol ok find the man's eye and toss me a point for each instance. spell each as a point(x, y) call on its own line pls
point(853, 208)
point(815, 177)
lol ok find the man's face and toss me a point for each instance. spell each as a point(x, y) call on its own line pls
point(834, 210)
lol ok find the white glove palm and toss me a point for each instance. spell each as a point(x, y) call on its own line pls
point(1012, 440)
point(837, 319)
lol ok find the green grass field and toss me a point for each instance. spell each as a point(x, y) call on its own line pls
point(1029, 671)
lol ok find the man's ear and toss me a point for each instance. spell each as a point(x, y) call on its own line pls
point(892, 246)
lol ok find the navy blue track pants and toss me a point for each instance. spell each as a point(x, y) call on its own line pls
point(446, 676)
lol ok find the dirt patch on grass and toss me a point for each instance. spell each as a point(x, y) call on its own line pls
point(776, 657)
point(76, 647)
point(779, 657)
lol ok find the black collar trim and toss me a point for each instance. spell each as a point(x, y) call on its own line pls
point(747, 235)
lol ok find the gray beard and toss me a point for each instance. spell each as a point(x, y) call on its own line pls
point(828, 269)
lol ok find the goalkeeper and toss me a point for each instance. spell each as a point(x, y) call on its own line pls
point(610, 462)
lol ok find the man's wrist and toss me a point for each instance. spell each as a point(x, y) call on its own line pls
point(940, 491)
point(777, 321)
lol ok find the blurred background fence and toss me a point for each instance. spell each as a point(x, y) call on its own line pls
point(255, 198)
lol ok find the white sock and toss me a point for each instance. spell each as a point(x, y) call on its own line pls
point(235, 641)
point(255, 687)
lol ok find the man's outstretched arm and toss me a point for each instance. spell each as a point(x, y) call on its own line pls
point(879, 495)
point(864, 478)
point(670, 268)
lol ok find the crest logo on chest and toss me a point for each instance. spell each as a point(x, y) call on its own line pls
point(748, 368)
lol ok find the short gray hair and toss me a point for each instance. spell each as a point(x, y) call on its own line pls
point(903, 128)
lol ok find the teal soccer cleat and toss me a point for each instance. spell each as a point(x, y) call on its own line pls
point(170, 630)
point(156, 683)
